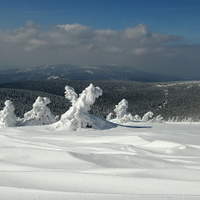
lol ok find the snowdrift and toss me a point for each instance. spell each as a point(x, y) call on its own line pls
point(137, 161)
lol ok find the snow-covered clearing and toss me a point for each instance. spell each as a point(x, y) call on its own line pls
point(140, 161)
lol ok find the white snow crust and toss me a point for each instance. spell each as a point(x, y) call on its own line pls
point(135, 161)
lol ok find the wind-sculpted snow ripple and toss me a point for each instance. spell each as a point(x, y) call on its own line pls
point(159, 163)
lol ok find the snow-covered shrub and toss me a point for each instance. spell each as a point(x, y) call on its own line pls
point(147, 116)
point(158, 119)
point(171, 119)
point(7, 115)
point(177, 119)
point(137, 118)
point(40, 114)
point(77, 116)
point(128, 118)
point(187, 119)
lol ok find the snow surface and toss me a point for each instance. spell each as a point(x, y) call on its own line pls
point(140, 161)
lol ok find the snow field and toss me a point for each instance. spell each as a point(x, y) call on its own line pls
point(134, 161)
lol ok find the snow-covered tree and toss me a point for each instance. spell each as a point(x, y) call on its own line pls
point(121, 108)
point(77, 116)
point(109, 116)
point(147, 116)
point(40, 114)
point(122, 116)
point(70, 94)
point(7, 115)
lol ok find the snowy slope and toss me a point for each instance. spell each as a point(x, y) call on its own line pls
point(140, 161)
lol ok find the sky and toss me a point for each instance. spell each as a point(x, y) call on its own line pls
point(151, 35)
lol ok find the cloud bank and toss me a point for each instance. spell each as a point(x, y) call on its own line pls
point(33, 45)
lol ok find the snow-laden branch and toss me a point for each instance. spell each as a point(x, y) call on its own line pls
point(70, 94)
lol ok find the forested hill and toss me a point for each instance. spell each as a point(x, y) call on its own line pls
point(168, 99)
point(24, 99)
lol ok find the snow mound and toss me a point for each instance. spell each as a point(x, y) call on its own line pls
point(123, 160)
point(96, 122)
point(162, 144)
point(46, 159)
point(166, 147)
point(100, 123)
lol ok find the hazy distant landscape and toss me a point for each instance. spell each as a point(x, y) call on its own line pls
point(83, 72)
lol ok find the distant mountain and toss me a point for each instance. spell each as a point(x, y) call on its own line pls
point(71, 72)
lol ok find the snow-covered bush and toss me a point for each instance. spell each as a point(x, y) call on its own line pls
point(40, 114)
point(137, 118)
point(147, 116)
point(158, 119)
point(187, 119)
point(77, 116)
point(7, 115)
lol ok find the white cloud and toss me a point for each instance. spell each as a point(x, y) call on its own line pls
point(137, 33)
point(139, 51)
point(74, 28)
point(78, 44)
point(34, 43)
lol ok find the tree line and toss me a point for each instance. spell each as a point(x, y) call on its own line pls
point(169, 100)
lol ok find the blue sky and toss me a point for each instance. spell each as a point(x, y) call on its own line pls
point(177, 18)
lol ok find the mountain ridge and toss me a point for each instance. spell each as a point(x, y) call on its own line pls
point(84, 72)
